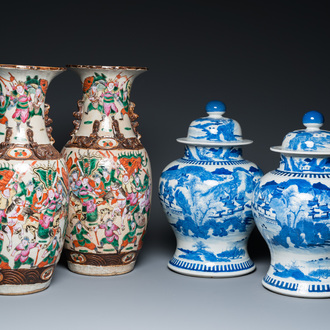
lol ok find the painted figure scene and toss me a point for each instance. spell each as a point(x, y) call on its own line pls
point(107, 95)
point(33, 214)
point(21, 100)
point(110, 201)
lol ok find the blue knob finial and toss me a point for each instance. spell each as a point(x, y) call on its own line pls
point(313, 119)
point(215, 106)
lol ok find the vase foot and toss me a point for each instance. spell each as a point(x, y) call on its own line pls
point(22, 289)
point(296, 288)
point(211, 269)
point(100, 270)
point(101, 264)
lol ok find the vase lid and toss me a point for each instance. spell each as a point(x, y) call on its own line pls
point(214, 130)
point(309, 141)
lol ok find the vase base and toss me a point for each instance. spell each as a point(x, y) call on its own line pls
point(296, 289)
point(98, 264)
point(211, 269)
point(22, 289)
point(101, 270)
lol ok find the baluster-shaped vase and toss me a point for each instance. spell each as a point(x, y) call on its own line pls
point(206, 196)
point(291, 206)
point(109, 175)
point(33, 182)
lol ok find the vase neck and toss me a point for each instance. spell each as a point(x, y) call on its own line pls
point(213, 153)
point(105, 108)
point(304, 164)
point(22, 106)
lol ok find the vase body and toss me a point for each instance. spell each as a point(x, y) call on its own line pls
point(206, 196)
point(33, 182)
point(292, 211)
point(291, 207)
point(109, 175)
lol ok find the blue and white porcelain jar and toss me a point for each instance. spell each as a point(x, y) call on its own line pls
point(206, 196)
point(291, 206)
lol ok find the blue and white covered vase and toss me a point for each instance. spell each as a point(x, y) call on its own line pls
point(206, 196)
point(291, 206)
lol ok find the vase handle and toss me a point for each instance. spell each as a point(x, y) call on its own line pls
point(133, 117)
point(78, 116)
point(48, 122)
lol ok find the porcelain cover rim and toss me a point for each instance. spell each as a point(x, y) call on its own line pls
point(188, 141)
point(282, 150)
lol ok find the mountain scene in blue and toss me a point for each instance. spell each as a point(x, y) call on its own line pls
point(212, 154)
point(296, 273)
point(309, 141)
point(212, 129)
point(301, 164)
point(201, 253)
point(212, 203)
point(300, 208)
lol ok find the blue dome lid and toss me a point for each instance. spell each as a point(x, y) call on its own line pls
point(309, 141)
point(214, 129)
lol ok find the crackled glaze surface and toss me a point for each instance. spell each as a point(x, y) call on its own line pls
point(33, 183)
point(109, 174)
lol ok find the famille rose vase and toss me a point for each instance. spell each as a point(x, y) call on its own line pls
point(206, 196)
point(291, 206)
point(109, 175)
point(33, 182)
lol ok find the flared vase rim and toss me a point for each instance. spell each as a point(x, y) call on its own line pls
point(32, 67)
point(105, 67)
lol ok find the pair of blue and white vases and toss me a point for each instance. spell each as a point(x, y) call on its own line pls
point(212, 194)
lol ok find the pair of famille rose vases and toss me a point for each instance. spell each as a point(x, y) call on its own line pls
point(211, 195)
point(93, 199)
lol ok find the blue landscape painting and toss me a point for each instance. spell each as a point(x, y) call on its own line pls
point(212, 203)
point(309, 141)
point(315, 275)
point(303, 164)
point(212, 154)
point(300, 208)
point(201, 253)
point(212, 129)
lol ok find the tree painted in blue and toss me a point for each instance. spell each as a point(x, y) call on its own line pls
point(210, 209)
point(201, 254)
point(294, 272)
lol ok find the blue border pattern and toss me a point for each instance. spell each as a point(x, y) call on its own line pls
point(211, 269)
point(225, 162)
point(301, 175)
point(294, 286)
